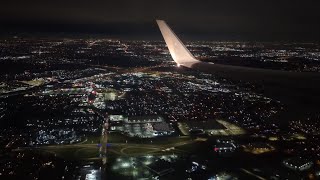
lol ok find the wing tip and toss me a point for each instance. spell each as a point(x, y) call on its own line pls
point(160, 21)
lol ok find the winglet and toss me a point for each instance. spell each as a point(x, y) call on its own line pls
point(179, 53)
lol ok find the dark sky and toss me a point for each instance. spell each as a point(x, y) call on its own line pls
point(266, 20)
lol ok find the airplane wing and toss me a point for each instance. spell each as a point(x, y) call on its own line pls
point(179, 53)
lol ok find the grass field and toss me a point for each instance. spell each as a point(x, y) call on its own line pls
point(119, 144)
point(73, 152)
point(92, 140)
point(86, 153)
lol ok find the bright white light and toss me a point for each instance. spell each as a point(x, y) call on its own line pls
point(147, 162)
point(90, 177)
point(125, 165)
point(149, 156)
point(178, 65)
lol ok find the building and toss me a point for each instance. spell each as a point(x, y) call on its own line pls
point(117, 118)
point(203, 126)
point(224, 146)
point(258, 148)
point(298, 163)
point(141, 126)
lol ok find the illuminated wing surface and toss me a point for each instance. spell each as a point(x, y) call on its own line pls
point(179, 53)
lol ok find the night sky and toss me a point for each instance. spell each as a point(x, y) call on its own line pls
point(265, 20)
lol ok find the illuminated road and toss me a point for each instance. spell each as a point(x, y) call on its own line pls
point(130, 70)
point(104, 142)
point(252, 174)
